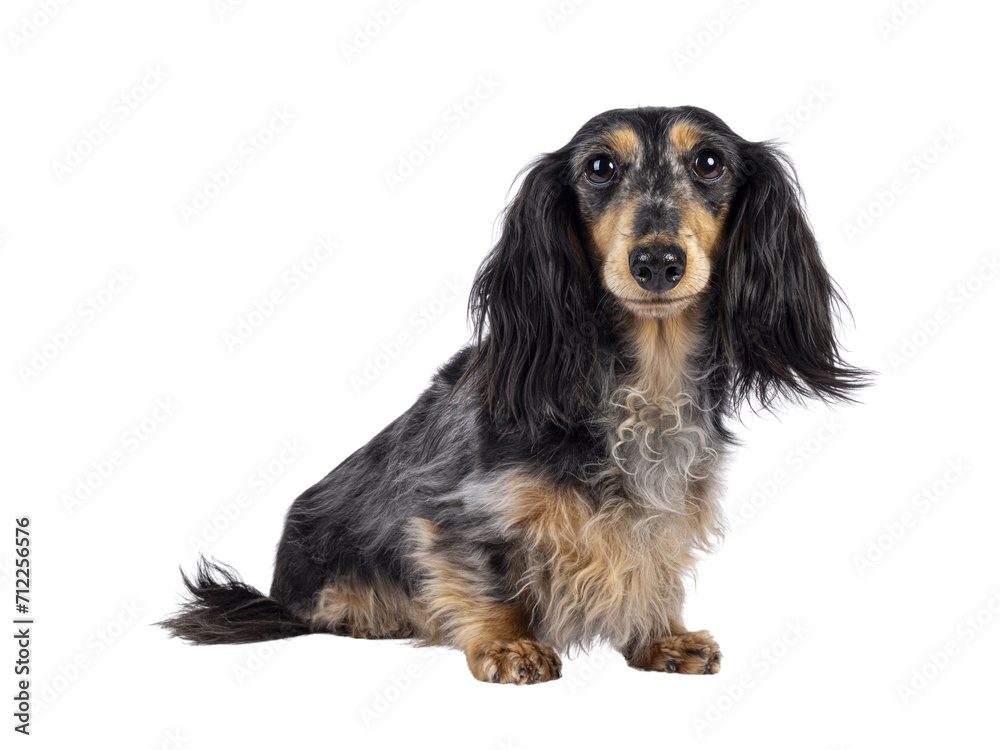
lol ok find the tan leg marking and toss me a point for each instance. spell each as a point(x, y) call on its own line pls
point(361, 611)
point(495, 636)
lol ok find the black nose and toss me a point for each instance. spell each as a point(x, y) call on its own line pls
point(657, 268)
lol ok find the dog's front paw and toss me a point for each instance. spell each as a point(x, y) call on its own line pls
point(686, 653)
point(521, 662)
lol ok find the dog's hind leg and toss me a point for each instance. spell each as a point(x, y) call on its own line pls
point(366, 610)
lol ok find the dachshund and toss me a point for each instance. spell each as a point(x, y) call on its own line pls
point(555, 484)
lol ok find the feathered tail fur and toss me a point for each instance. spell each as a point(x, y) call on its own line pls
point(223, 609)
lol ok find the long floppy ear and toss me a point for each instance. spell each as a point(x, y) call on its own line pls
point(533, 313)
point(777, 303)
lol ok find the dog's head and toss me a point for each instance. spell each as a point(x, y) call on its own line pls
point(653, 211)
point(653, 190)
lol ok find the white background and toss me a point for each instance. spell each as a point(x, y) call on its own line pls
point(888, 84)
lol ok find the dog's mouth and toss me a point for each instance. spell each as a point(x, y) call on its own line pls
point(662, 307)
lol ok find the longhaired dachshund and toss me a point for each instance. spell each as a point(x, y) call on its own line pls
point(557, 480)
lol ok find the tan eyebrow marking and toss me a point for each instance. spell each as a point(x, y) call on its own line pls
point(684, 136)
point(624, 142)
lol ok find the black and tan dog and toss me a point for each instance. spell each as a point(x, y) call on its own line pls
point(554, 484)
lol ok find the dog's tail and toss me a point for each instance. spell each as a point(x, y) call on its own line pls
point(223, 609)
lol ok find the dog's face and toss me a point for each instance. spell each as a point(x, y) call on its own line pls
point(653, 190)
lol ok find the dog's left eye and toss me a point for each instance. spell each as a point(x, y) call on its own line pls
point(708, 165)
point(601, 169)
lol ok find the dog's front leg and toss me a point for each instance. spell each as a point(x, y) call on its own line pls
point(465, 610)
point(676, 649)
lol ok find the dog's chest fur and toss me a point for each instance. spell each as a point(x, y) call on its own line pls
point(606, 558)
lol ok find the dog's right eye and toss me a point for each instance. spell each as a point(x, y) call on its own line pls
point(708, 165)
point(601, 169)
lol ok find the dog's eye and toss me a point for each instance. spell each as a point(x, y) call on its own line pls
point(601, 169)
point(708, 165)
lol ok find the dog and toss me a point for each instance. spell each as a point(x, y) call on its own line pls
point(557, 481)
